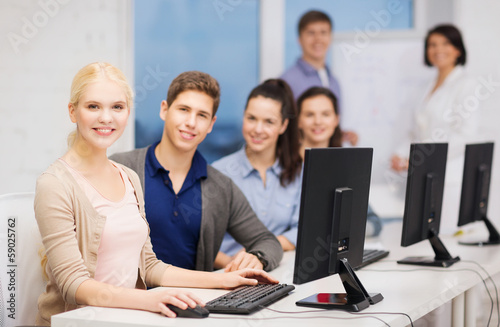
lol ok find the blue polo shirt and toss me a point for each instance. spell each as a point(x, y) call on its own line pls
point(303, 76)
point(174, 219)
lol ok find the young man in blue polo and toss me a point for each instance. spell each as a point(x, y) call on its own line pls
point(189, 204)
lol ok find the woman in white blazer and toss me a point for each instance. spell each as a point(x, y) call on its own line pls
point(447, 112)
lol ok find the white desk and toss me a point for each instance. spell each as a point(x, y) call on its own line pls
point(409, 289)
point(460, 279)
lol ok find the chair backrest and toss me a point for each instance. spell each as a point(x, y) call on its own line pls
point(21, 280)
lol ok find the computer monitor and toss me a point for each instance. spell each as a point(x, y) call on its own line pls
point(475, 190)
point(423, 202)
point(332, 222)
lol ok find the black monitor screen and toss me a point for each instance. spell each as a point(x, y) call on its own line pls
point(423, 202)
point(475, 190)
point(424, 191)
point(325, 171)
point(332, 222)
point(475, 183)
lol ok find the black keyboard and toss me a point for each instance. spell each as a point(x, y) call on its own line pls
point(370, 256)
point(247, 299)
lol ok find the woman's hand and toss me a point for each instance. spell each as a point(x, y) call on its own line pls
point(243, 260)
point(156, 301)
point(351, 137)
point(247, 277)
point(92, 292)
point(399, 164)
point(179, 277)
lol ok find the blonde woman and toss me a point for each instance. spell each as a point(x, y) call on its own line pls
point(90, 211)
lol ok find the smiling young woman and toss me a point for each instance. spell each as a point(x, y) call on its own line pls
point(319, 127)
point(319, 122)
point(443, 113)
point(267, 169)
point(437, 118)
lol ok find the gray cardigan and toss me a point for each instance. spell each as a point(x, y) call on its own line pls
point(224, 208)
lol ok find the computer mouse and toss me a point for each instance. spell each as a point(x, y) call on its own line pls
point(196, 312)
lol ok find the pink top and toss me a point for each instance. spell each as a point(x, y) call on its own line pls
point(123, 236)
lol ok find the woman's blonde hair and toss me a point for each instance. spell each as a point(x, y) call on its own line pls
point(87, 75)
point(91, 74)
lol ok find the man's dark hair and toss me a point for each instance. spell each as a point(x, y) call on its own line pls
point(313, 16)
point(195, 81)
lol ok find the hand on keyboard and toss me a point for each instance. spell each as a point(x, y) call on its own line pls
point(246, 276)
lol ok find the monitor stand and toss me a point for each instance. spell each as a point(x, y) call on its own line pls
point(493, 239)
point(442, 259)
point(355, 299)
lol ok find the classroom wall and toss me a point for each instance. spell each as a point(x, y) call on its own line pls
point(42, 46)
point(197, 35)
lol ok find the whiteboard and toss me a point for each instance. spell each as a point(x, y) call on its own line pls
point(380, 83)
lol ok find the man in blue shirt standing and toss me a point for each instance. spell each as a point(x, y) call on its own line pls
point(189, 204)
point(315, 37)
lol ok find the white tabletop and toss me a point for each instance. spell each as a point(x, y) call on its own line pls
point(409, 289)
